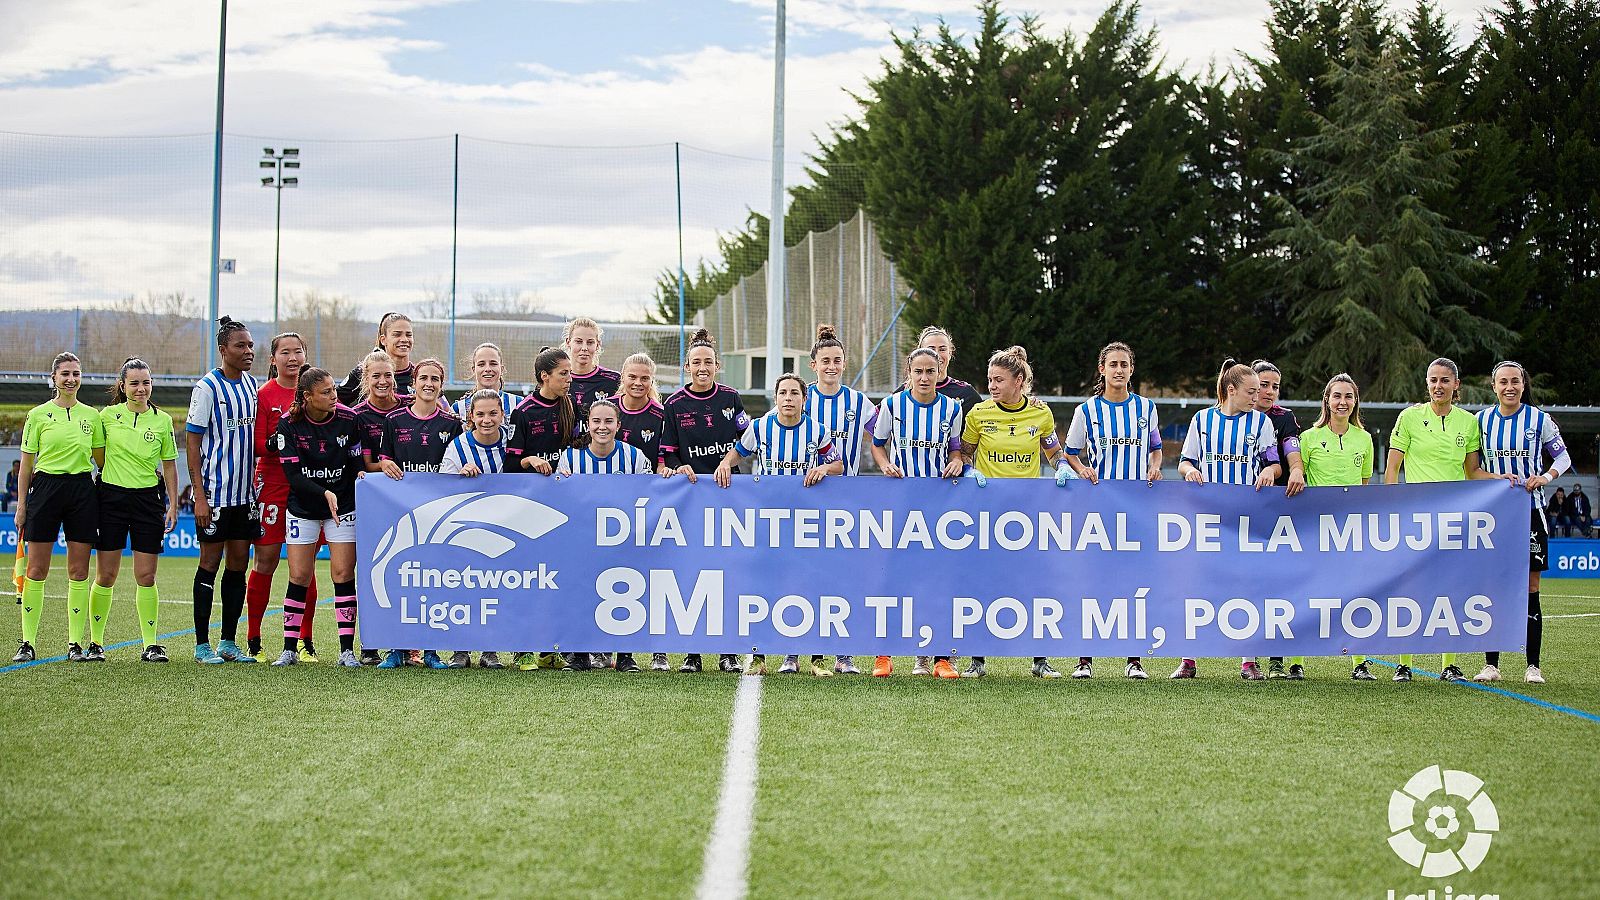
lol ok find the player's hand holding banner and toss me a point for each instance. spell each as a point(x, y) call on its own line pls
point(882, 566)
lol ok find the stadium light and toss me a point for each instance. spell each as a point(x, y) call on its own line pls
point(277, 162)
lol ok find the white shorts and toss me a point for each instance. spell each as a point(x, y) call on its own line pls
point(308, 531)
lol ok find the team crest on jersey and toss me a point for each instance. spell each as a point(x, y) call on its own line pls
point(944, 427)
point(444, 436)
point(850, 415)
point(1529, 435)
point(1143, 423)
point(1249, 438)
point(85, 427)
point(1358, 457)
point(149, 436)
point(1033, 431)
point(342, 440)
point(648, 436)
point(1461, 440)
point(728, 413)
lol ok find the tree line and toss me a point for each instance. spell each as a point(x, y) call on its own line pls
point(1368, 192)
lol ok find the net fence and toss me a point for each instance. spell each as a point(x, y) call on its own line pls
point(105, 246)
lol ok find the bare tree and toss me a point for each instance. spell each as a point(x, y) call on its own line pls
point(435, 302)
point(506, 303)
point(163, 329)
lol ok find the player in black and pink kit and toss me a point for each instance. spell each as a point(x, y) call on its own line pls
point(542, 426)
point(703, 422)
point(378, 398)
point(939, 341)
point(413, 439)
point(545, 422)
point(642, 418)
point(1291, 477)
point(319, 444)
point(590, 380)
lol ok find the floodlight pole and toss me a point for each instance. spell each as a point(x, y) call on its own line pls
point(777, 278)
point(216, 196)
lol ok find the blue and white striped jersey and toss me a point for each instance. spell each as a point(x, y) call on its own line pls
point(920, 436)
point(1230, 449)
point(1118, 436)
point(845, 416)
point(508, 404)
point(1516, 445)
point(466, 449)
point(624, 459)
point(786, 449)
point(225, 412)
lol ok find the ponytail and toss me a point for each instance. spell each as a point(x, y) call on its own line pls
point(310, 379)
point(544, 364)
point(1232, 375)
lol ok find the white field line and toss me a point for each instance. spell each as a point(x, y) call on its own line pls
point(722, 876)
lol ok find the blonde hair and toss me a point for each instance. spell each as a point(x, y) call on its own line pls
point(498, 354)
point(376, 356)
point(1014, 359)
point(582, 322)
point(643, 359)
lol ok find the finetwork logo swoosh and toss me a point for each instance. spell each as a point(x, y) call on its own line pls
point(477, 520)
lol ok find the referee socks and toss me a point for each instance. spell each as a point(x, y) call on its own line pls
point(99, 612)
point(77, 610)
point(32, 608)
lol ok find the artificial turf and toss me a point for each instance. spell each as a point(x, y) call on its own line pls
point(177, 779)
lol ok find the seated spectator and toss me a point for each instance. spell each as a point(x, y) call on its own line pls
point(1555, 512)
point(1579, 514)
point(186, 500)
point(10, 495)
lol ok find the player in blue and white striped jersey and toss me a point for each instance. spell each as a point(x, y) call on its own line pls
point(600, 453)
point(916, 433)
point(842, 410)
point(785, 442)
point(1230, 443)
point(1119, 433)
point(488, 373)
point(221, 445)
point(1516, 439)
point(482, 449)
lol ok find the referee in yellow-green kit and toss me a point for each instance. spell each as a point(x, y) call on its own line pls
point(139, 443)
point(55, 492)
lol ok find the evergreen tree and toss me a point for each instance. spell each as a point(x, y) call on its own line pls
point(1532, 185)
point(1365, 258)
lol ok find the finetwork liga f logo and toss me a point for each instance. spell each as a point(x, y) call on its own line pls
point(1442, 821)
point(487, 523)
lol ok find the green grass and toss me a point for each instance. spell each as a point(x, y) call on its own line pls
point(178, 779)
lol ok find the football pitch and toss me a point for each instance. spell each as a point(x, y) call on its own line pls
point(142, 779)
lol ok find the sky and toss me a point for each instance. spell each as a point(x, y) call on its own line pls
point(568, 112)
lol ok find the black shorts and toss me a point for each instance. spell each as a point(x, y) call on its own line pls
point(231, 523)
point(135, 513)
point(1538, 544)
point(61, 501)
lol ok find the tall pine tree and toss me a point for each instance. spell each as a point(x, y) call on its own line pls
point(1365, 258)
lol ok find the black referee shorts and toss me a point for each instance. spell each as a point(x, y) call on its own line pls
point(57, 502)
point(231, 523)
point(136, 513)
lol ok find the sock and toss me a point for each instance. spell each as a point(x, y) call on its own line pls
point(32, 608)
point(77, 610)
point(344, 612)
point(1405, 660)
point(148, 600)
point(1446, 660)
point(294, 607)
point(99, 611)
point(257, 594)
point(1535, 628)
point(1297, 661)
point(1492, 657)
point(232, 602)
point(311, 612)
point(1188, 662)
point(205, 581)
point(1356, 661)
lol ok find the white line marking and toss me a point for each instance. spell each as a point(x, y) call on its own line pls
point(1576, 616)
point(727, 859)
